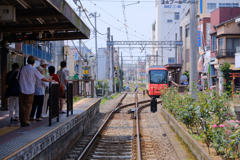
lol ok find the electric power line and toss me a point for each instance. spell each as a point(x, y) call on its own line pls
point(117, 28)
point(88, 17)
point(118, 19)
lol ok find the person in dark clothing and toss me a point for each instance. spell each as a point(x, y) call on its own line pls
point(14, 101)
point(38, 97)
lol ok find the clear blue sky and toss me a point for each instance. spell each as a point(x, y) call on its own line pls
point(140, 18)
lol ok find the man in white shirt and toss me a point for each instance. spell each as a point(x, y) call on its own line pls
point(27, 79)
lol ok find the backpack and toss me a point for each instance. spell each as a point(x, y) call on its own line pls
point(61, 88)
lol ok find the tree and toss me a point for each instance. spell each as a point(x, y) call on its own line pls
point(225, 71)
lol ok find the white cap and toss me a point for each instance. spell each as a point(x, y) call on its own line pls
point(44, 62)
point(40, 69)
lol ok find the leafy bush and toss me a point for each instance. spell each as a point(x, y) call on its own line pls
point(206, 117)
point(104, 84)
point(227, 84)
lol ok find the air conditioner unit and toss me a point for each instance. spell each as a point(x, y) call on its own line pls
point(7, 13)
point(66, 50)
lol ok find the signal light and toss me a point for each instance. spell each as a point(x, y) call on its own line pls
point(25, 36)
point(154, 105)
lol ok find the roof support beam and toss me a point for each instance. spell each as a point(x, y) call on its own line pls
point(37, 27)
point(62, 36)
point(46, 37)
point(37, 13)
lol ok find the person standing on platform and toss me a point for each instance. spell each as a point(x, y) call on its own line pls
point(11, 82)
point(27, 80)
point(63, 78)
point(38, 97)
point(44, 65)
point(54, 76)
point(185, 83)
point(136, 88)
point(199, 86)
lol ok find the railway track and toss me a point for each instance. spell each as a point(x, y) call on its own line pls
point(120, 136)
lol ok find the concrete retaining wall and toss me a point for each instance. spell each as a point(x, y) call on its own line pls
point(193, 145)
point(54, 144)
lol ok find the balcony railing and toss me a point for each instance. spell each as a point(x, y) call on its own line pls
point(30, 50)
point(224, 53)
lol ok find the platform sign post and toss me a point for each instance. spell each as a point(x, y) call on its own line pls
point(85, 72)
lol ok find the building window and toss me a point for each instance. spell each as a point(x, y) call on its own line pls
point(142, 67)
point(184, 1)
point(176, 16)
point(228, 4)
point(232, 43)
point(214, 43)
point(211, 6)
point(171, 60)
point(187, 32)
point(220, 44)
point(169, 21)
point(235, 5)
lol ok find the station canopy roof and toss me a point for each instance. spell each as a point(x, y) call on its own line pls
point(42, 20)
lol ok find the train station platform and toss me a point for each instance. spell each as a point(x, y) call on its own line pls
point(41, 141)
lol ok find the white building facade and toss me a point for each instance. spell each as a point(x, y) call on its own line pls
point(169, 13)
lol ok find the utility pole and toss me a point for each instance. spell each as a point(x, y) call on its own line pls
point(112, 66)
point(176, 49)
point(108, 53)
point(180, 48)
point(162, 55)
point(95, 30)
point(193, 48)
point(119, 86)
point(128, 72)
point(121, 72)
point(157, 58)
point(80, 50)
point(145, 65)
point(95, 17)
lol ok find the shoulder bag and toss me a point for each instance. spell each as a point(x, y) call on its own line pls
point(16, 88)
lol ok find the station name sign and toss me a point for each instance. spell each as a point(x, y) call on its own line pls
point(171, 3)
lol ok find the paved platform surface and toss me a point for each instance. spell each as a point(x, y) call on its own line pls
point(13, 137)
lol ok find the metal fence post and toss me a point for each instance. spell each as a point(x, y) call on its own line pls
point(69, 97)
point(53, 102)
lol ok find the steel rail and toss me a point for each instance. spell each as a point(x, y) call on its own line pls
point(94, 139)
point(130, 104)
point(138, 128)
point(146, 105)
point(139, 155)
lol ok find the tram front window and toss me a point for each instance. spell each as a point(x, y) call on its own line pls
point(158, 76)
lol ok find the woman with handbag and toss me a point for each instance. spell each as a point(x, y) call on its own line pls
point(12, 83)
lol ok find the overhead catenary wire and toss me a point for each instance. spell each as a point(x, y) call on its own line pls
point(118, 28)
point(78, 51)
point(88, 18)
point(117, 19)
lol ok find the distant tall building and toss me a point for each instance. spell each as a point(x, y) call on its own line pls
point(169, 14)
